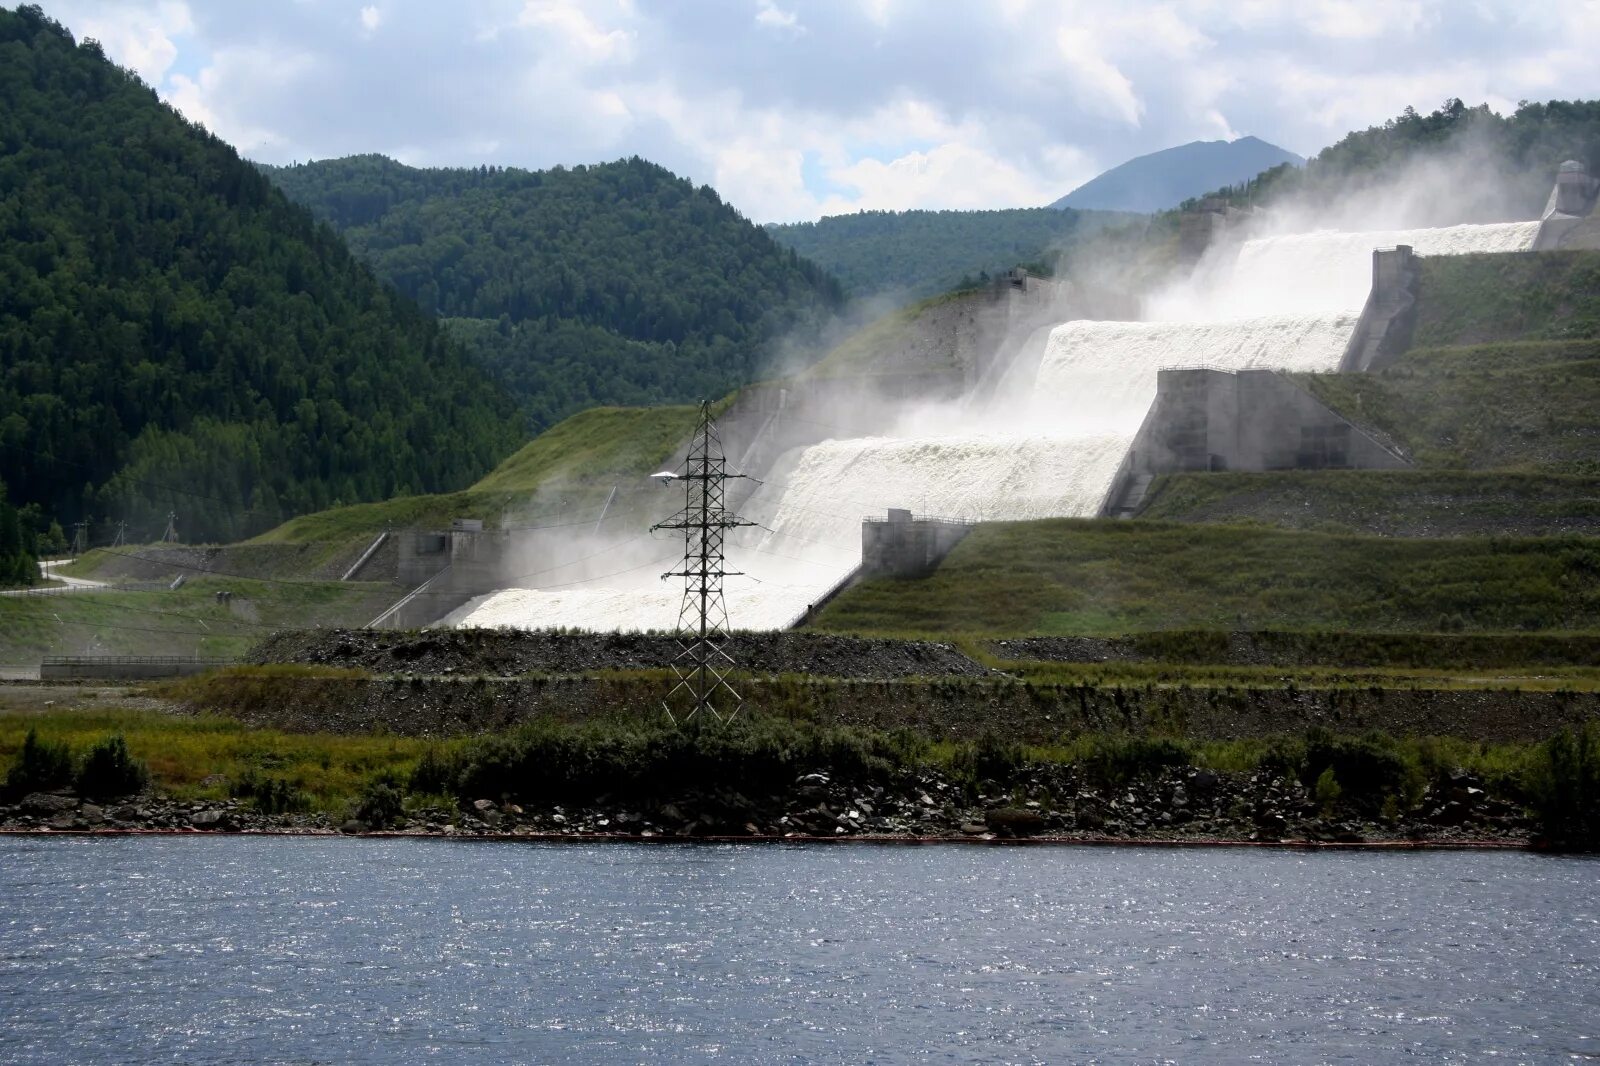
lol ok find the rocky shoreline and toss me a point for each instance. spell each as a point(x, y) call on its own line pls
point(1180, 806)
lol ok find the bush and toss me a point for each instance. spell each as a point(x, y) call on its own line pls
point(1368, 769)
point(109, 771)
point(1328, 792)
point(381, 803)
point(271, 795)
point(1565, 787)
point(41, 767)
point(1120, 759)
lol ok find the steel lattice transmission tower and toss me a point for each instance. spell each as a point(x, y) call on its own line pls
point(702, 666)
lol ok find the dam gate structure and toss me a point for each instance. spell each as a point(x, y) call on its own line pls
point(1076, 425)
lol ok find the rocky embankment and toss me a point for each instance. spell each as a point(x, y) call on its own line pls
point(508, 653)
point(1045, 803)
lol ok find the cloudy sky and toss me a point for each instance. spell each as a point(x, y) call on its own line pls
point(794, 109)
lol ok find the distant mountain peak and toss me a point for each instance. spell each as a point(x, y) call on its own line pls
point(1166, 178)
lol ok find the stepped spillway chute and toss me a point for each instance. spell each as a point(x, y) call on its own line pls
point(1047, 446)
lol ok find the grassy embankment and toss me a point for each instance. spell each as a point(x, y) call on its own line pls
point(569, 467)
point(649, 762)
point(860, 352)
point(184, 621)
point(1070, 576)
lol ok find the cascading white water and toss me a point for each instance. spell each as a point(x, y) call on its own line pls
point(1287, 303)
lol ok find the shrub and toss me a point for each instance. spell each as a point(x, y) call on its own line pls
point(271, 795)
point(381, 803)
point(1120, 759)
point(40, 767)
point(1565, 787)
point(1327, 791)
point(1368, 769)
point(109, 771)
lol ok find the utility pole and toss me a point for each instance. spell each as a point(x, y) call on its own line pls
point(171, 534)
point(702, 666)
point(121, 537)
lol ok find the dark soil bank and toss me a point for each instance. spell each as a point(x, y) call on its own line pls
point(504, 653)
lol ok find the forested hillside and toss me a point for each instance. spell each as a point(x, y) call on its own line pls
point(176, 335)
point(912, 254)
point(1491, 166)
point(610, 284)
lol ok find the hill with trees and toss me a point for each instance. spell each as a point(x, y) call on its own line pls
point(1471, 163)
point(612, 284)
point(912, 254)
point(175, 335)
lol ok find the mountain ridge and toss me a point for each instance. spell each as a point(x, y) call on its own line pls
point(1158, 181)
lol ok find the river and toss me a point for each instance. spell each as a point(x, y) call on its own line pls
point(315, 950)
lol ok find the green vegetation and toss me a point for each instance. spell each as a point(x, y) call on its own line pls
point(596, 445)
point(1068, 576)
point(109, 772)
point(322, 771)
point(1528, 296)
point(919, 253)
point(566, 470)
point(1513, 158)
point(1419, 502)
point(1524, 405)
point(176, 335)
point(610, 284)
point(895, 331)
point(18, 546)
point(646, 762)
point(184, 621)
point(41, 766)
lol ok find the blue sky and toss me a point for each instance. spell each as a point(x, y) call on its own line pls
point(794, 109)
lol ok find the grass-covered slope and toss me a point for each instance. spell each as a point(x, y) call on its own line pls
point(1070, 576)
point(1396, 503)
point(1479, 299)
point(567, 468)
point(1518, 404)
point(594, 446)
point(612, 284)
point(184, 621)
point(176, 335)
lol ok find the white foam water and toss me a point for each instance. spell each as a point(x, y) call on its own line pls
point(1287, 303)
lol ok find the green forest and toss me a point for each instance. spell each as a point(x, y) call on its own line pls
point(912, 254)
point(176, 335)
point(596, 285)
point(1510, 161)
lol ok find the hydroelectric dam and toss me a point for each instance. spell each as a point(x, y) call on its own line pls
point(1051, 433)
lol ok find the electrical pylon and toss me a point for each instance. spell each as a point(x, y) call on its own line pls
point(170, 536)
point(702, 666)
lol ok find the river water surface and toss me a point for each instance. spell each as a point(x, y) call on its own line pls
point(329, 950)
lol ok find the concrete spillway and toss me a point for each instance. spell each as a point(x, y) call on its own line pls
point(1049, 448)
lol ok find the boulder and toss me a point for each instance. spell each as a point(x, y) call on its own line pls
point(47, 803)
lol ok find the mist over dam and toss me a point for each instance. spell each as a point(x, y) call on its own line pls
point(1048, 443)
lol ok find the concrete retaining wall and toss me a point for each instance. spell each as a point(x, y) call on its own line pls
point(122, 667)
point(1250, 420)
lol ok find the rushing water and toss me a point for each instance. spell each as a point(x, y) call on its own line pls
point(1050, 446)
point(247, 950)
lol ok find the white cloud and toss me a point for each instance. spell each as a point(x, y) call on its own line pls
point(794, 107)
point(1097, 77)
point(772, 17)
point(141, 36)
